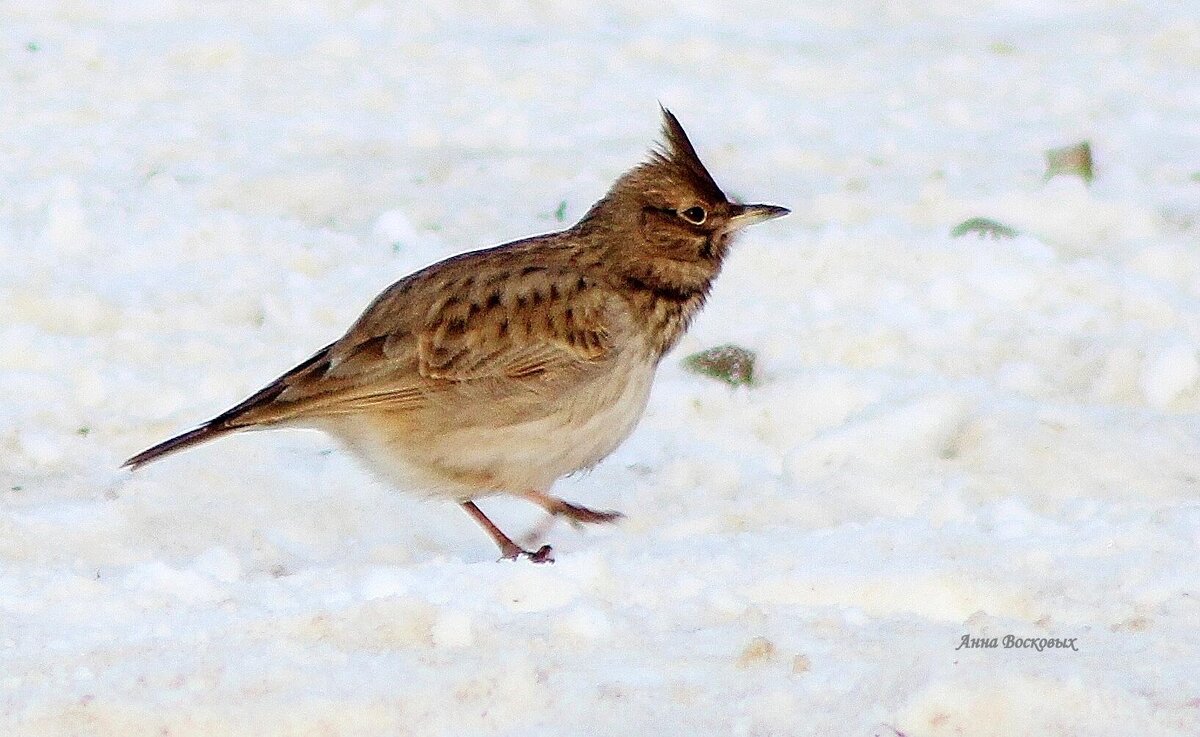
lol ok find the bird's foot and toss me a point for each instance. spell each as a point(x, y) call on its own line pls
point(580, 515)
point(544, 554)
point(576, 513)
point(509, 550)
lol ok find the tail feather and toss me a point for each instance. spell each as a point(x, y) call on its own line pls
point(246, 414)
point(202, 434)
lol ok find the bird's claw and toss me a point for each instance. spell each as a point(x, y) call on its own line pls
point(544, 554)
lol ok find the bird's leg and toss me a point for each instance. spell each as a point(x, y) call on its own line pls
point(574, 512)
point(509, 550)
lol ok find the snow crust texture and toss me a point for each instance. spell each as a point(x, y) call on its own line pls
point(946, 437)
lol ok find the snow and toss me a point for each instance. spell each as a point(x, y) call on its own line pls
point(974, 436)
point(1168, 374)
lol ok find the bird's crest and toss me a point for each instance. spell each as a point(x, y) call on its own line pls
point(678, 155)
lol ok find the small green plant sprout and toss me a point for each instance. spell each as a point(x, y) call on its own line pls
point(560, 214)
point(1076, 160)
point(983, 227)
point(731, 364)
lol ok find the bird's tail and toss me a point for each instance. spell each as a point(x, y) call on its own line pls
point(260, 409)
point(203, 434)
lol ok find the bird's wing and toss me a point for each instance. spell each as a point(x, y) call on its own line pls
point(540, 325)
point(536, 330)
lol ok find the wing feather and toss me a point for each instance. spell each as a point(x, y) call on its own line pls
point(547, 327)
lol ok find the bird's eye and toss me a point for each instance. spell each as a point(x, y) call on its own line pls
point(694, 215)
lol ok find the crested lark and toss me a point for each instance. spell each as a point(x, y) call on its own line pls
point(501, 370)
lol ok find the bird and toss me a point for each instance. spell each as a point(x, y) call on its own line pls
point(501, 370)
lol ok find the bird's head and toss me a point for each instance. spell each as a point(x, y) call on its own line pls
point(671, 222)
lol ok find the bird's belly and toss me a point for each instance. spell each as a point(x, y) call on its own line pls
point(482, 458)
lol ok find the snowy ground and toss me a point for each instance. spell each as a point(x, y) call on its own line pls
point(951, 436)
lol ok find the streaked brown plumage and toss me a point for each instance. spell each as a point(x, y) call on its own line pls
point(501, 370)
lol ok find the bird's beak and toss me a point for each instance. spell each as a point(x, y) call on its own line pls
point(744, 215)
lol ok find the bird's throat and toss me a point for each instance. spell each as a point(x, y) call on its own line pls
point(665, 297)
